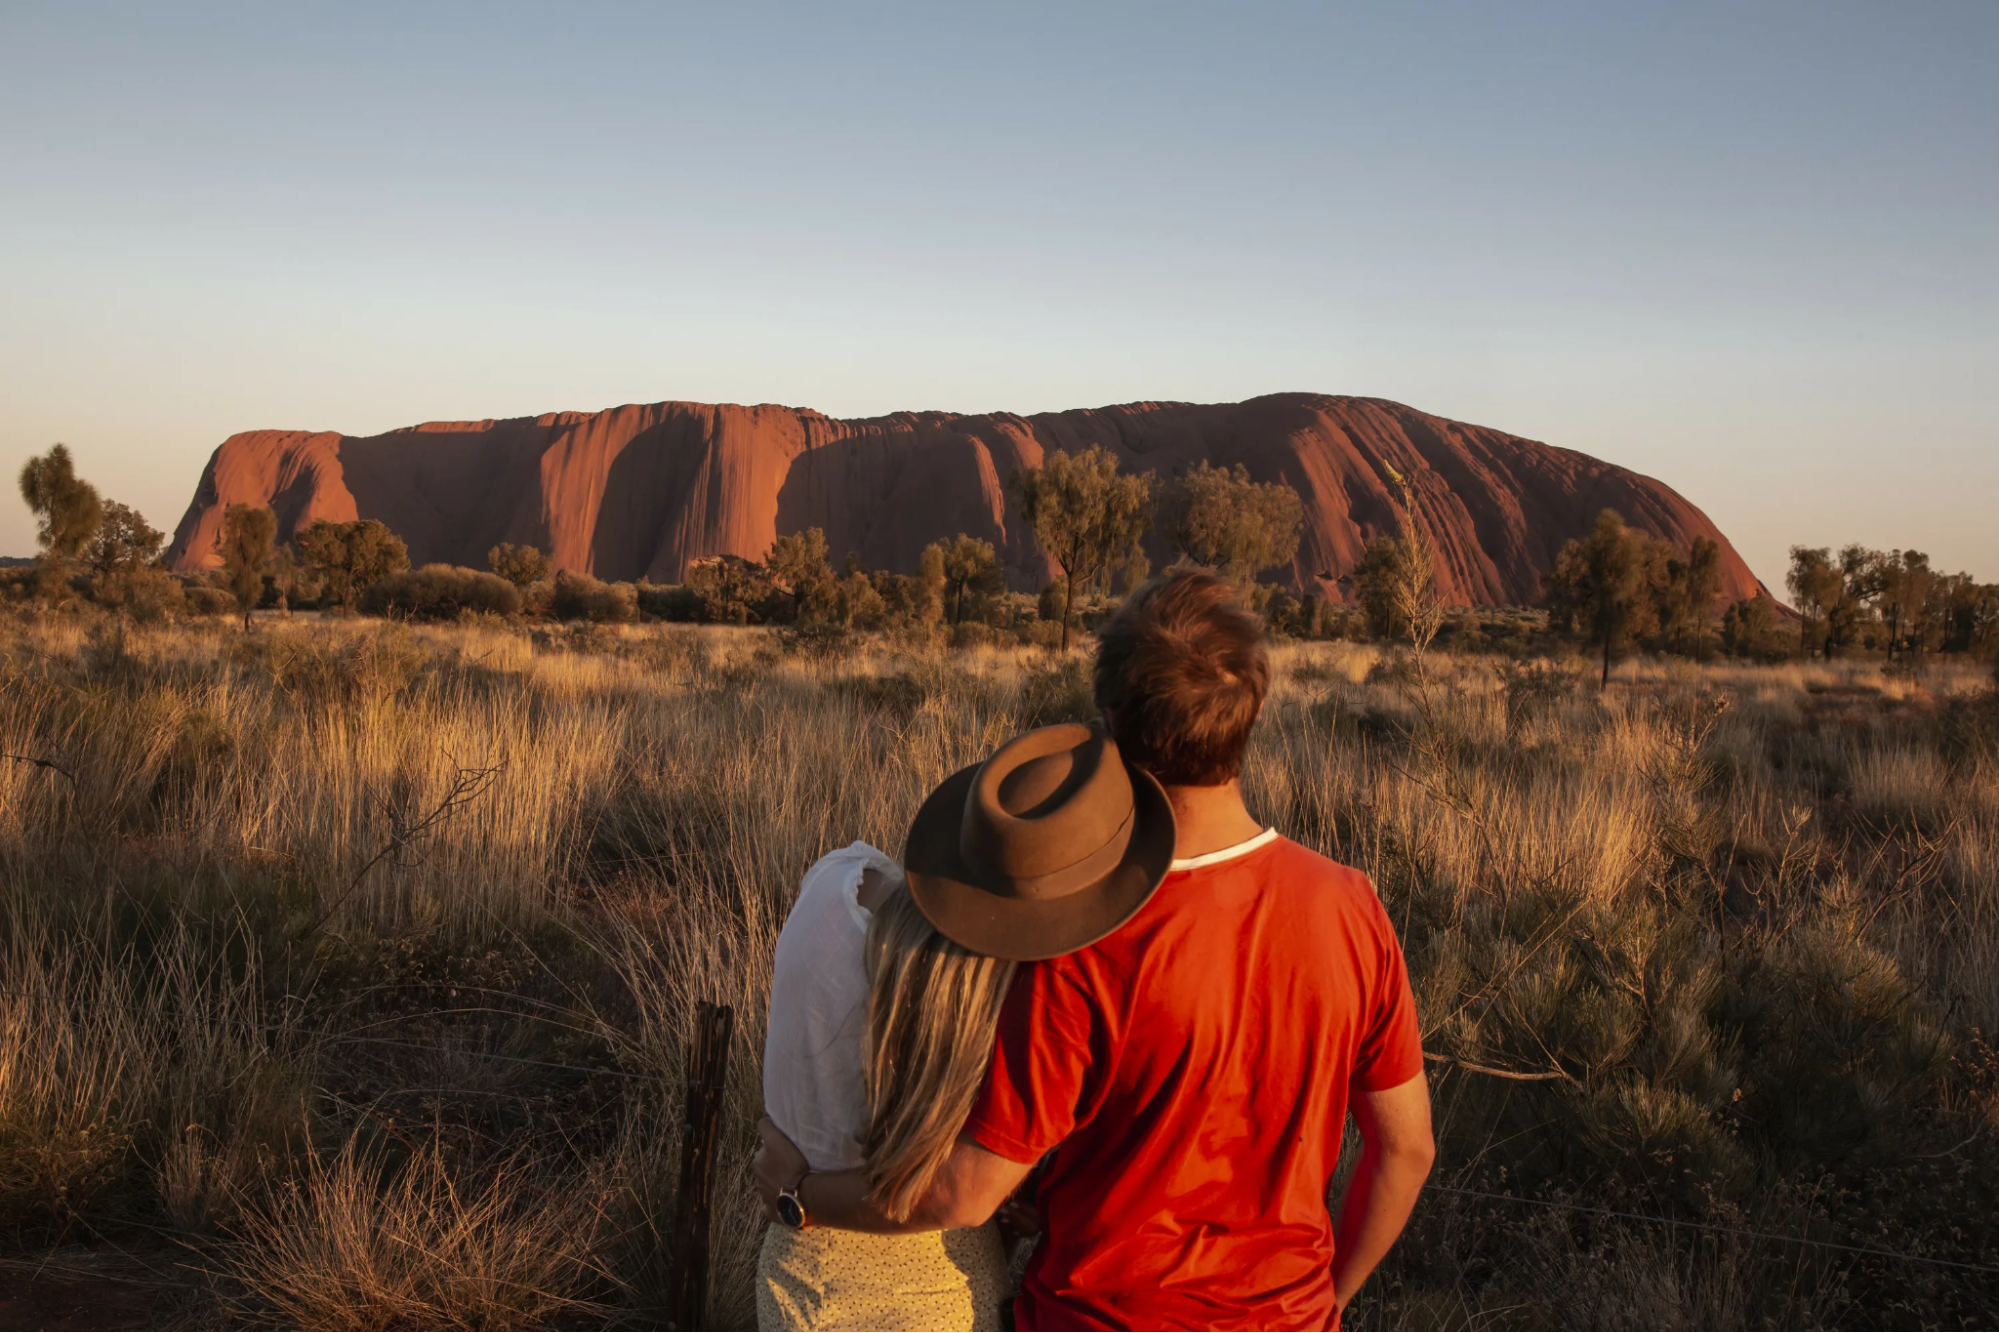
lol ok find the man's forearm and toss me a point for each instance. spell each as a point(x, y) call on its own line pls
point(1377, 1205)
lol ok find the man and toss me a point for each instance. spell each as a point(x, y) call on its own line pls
point(1192, 1070)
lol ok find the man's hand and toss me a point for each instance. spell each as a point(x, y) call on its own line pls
point(778, 1165)
point(1396, 1152)
point(1019, 1218)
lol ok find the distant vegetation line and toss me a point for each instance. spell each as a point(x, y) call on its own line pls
point(1614, 589)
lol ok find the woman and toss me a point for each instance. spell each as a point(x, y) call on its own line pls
point(880, 1030)
point(885, 1000)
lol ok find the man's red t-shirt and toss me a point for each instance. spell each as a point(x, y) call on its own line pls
point(1194, 1068)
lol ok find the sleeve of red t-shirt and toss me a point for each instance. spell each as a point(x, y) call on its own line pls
point(1391, 1047)
point(1049, 1064)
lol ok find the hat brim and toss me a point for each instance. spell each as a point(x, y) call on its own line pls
point(949, 893)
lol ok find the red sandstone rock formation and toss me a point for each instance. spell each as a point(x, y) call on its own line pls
point(640, 491)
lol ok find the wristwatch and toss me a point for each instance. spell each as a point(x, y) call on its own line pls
point(790, 1211)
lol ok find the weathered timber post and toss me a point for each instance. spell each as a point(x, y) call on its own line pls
point(707, 1083)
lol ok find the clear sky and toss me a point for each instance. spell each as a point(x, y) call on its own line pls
point(1750, 249)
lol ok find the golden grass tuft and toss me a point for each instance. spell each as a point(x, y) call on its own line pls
point(350, 1244)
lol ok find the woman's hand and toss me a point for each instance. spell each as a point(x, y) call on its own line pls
point(778, 1165)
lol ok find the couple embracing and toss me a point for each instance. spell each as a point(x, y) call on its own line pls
point(1101, 1001)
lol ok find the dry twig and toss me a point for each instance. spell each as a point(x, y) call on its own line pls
point(49, 764)
point(467, 786)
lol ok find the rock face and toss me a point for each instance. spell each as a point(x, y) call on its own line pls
point(641, 491)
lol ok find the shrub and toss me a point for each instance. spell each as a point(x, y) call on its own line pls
point(818, 641)
point(972, 634)
point(441, 592)
point(671, 601)
point(734, 591)
point(150, 595)
point(1042, 633)
point(522, 566)
point(1049, 605)
point(204, 599)
point(344, 559)
point(580, 597)
point(354, 1246)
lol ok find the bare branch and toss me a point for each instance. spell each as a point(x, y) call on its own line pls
point(467, 786)
point(1517, 1075)
point(49, 764)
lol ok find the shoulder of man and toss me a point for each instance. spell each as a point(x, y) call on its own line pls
point(1300, 864)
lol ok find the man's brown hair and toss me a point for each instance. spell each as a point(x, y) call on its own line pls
point(1180, 678)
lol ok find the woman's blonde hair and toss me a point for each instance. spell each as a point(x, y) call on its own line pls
point(933, 1011)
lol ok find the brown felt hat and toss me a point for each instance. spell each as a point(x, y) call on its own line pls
point(1051, 844)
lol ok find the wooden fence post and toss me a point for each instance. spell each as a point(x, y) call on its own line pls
point(707, 1084)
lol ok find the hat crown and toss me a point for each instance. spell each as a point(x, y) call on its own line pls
point(1049, 810)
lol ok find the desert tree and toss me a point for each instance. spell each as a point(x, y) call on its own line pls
point(926, 605)
point(1218, 517)
point(1048, 606)
point(349, 558)
point(249, 535)
point(122, 556)
point(1904, 586)
point(1603, 583)
point(1966, 615)
point(1087, 515)
point(971, 570)
point(1703, 586)
point(522, 566)
point(1816, 587)
point(66, 508)
point(1134, 569)
point(1852, 609)
point(858, 603)
point(910, 601)
point(798, 567)
point(1396, 585)
point(1396, 579)
point(1687, 594)
point(123, 543)
point(1747, 625)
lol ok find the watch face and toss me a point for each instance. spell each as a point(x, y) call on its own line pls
point(789, 1212)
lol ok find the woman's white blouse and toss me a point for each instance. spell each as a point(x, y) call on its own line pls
point(818, 1012)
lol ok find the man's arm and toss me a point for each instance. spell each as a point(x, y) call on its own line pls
point(967, 1190)
point(1396, 1152)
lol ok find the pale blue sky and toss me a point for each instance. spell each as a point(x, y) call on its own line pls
point(1751, 249)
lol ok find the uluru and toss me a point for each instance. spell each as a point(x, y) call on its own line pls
point(644, 490)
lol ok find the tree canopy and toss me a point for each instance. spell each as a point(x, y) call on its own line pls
point(522, 566)
point(1603, 581)
point(1218, 517)
point(249, 534)
point(66, 506)
point(797, 565)
point(350, 557)
point(1086, 514)
point(971, 572)
point(1396, 584)
point(123, 543)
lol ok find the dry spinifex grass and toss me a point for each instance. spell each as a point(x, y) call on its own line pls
point(1713, 963)
point(350, 1243)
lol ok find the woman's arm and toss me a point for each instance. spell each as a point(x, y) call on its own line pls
point(968, 1189)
